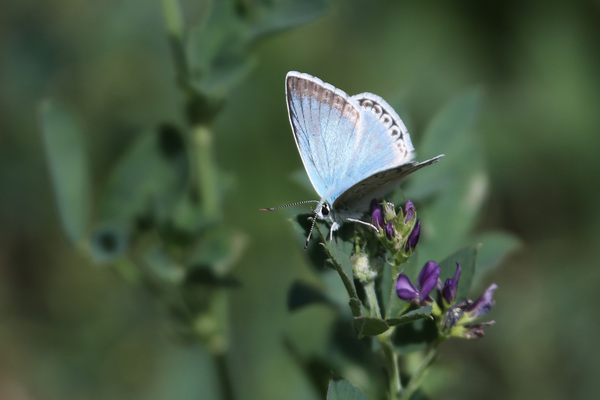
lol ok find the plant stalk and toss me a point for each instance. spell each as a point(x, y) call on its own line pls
point(205, 170)
point(391, 365)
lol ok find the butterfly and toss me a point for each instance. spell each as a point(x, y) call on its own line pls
point(354, 148)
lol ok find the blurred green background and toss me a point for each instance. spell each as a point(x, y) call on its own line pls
point(73, 330)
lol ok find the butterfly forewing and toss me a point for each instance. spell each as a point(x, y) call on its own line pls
point(382, 143)
point(385, 117)
point(324, 121)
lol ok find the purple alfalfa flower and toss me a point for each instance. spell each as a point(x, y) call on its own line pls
point(414, 236)
point(389, 231)
point(428, 277)
point(405, 289)
point(451, 286)
point(427, 280)
point(484, 303)
point(476, 331)
point(409, 211)
point(376, 214)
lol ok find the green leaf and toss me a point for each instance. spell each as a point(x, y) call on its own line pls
point(414, 336)
point(163, 266)
point(316, 252)
point(147, 181)
point(216, 51)
point(205, 276)
point(302, 294)
point(467, 257)
point(451, 129)
point(370, 326)
point(339, 250)
point(275, 16)
point(493, 248)
point(411, 316)
point(341, 389)
point(458, 179)
point(68, 165)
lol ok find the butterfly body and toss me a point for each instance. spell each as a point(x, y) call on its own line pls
point(354, 148)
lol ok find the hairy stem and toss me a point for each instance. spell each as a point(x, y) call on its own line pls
point(417, 378)
point(374, 309)
point(205, 169)
point(225, 382)
point(391, 365)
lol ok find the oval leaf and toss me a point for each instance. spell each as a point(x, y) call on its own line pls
point(414, 315)
point(341, 389)
point(68, 165)
point(369, 326)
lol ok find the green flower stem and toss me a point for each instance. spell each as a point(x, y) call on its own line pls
point(175, 31)
point(225, 381)
point(218, 343)
point(391, 364)
point(173, 18)
point(393, 295)
point(205, 170)
point(417, 378)
point(372, 297)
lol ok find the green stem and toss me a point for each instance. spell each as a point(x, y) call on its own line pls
point(372, 297)
point(225, 382)
point(418, 376)
point(205, 171)
point(173, 18)
point(175, 32)
point(391, 365)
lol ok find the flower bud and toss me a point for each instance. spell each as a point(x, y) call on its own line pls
point(451, 286)
point(409, 211)
point(376, 214)
point(362, 268)
point(414, 236)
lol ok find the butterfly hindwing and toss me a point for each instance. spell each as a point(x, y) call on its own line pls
point(376, 185)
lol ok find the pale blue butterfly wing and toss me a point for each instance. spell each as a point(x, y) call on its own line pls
point(353, 148)
point(385, 128)
point(323, 119)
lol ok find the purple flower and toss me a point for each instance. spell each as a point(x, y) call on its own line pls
point(451, 286)
point(484, 303)
point(405, 289)
point(427, 281)
point(376, 214)
point(414, 236)
point(428, 277)
point(476, 331)
point(409, 211)
point(389, 231)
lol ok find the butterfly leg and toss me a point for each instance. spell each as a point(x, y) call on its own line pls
point(363, 222)
point(334, 227)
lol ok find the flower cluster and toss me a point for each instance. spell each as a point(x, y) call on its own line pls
point(399, 231)
point(456, 319)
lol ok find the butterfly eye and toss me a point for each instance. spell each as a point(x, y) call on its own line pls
point(325, 210)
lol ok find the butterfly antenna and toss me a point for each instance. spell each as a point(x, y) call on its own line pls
point(310, 233)
point(288, 205)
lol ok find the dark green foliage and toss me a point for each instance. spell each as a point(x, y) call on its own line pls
point(341, 389)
